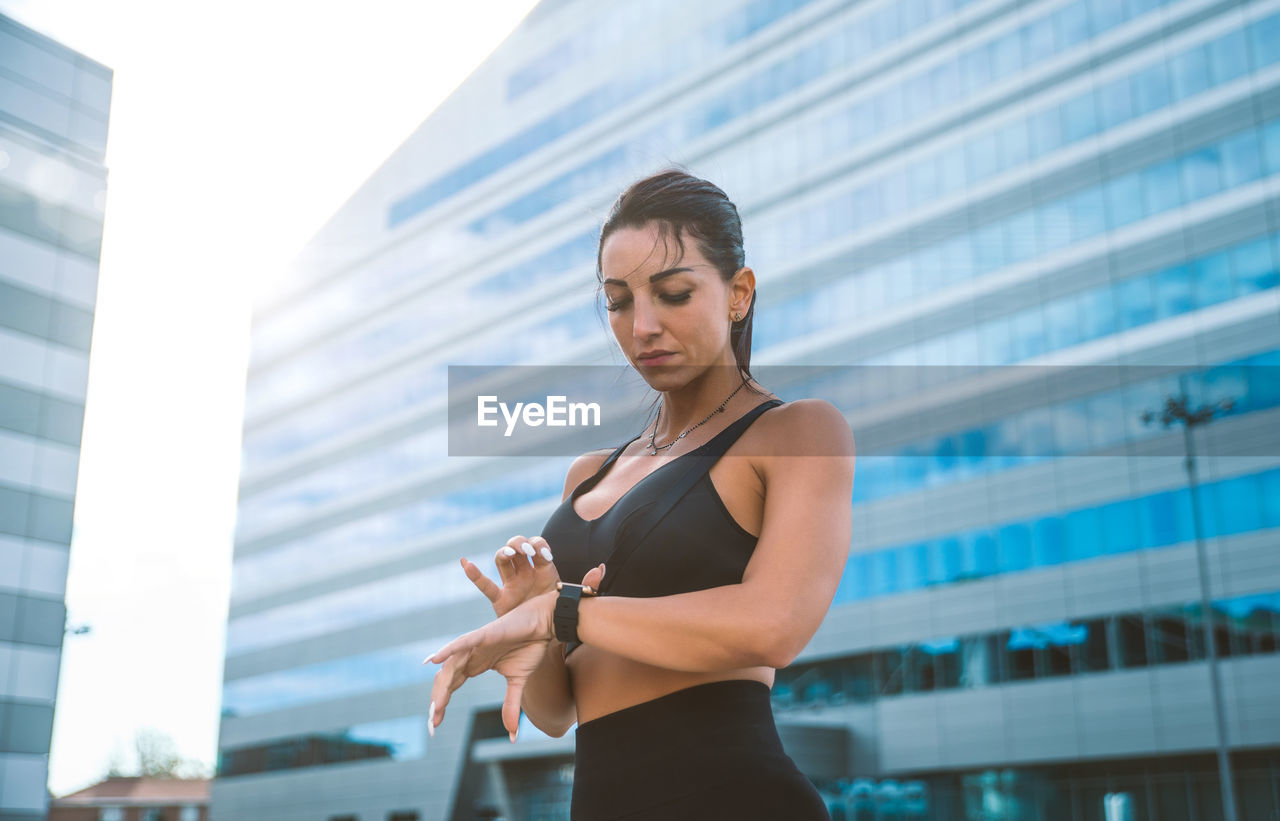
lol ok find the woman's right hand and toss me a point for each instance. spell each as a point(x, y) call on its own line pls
point(525, 572)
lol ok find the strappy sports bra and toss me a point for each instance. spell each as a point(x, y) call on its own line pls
point(670, 533)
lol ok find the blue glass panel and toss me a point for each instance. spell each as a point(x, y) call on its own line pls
point(1240, 158)
point(1151, 89)
point(1119, 527)
point(1161, 190)
point(1054, 223)
point(1201, 173)
point(979, 554)
point(1046, 131)
point(1007, 54)
point(1081, 117)
point(1264, 41)
point(1048, 541)
point(1228, 57)
point(1253, 268)
point(1072, 23)
point(1271, 146)
point(1269, 493)
point(1190, 72)
point(1062, 323)
point(1115, 103)
point(855, 582)
point(1239, 510)
point(1088, 214)
point(1172, 288)
point(1083, 534)
point(1105, 14)
point(1125, 202)
point(1136, 302)
point(946, 560)
point(884, 572)
point(1015, 547)
point(1098, 314)
point(913, 566)
point(1211, 276)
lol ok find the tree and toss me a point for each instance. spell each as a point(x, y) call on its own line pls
point(157, 756)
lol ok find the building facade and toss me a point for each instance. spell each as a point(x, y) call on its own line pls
point(54, 104)
point(1079, 197)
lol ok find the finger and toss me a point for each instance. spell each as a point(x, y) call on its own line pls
point(448, 678)
point(490, 590)
point(542, 551)
point(505, 559)
point(511, 707)
point(594, 576)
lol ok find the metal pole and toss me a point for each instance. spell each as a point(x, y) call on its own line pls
point(1225, 775)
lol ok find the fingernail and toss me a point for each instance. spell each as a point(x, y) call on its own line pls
point(602, 571)
point(528, 549)
point(508, 551)
point(513, 737)
point(546, 554)
point(431, 720)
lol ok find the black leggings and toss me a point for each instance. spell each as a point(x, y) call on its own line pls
point(705, 752)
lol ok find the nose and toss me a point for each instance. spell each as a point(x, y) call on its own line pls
point(644, 323)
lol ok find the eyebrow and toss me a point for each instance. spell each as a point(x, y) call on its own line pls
point(652, 277)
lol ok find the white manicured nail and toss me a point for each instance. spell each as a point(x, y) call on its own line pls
point(431, 720)
point(508, 551)
point(528, 549)
point(546, 554)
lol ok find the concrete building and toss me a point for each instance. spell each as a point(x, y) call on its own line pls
point(1085, 186)
point(54, 104)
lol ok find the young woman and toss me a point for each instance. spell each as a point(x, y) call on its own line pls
point(719, 534)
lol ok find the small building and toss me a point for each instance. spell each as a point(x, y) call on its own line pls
point(136, 798)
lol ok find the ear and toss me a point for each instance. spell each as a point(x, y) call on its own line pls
point(741, 288)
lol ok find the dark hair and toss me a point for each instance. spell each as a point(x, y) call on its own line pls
point(677, 201)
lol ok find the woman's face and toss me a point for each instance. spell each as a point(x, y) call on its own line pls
point(677, 307)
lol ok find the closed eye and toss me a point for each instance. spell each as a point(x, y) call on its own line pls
point(673, 299)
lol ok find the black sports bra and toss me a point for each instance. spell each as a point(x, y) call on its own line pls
point(670, 533)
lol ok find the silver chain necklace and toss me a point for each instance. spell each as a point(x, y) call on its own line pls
point(653, 449)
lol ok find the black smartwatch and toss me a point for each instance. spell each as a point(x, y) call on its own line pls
point(566, 615)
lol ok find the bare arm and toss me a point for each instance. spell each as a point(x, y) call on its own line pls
point(548, 694)
point(789, 583)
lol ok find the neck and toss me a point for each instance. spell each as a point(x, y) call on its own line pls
point(689, 405)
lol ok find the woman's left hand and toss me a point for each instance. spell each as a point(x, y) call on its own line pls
point(513, 644)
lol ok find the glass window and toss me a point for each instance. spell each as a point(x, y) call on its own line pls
point(1271, 146)
point(1136, 301)
point(1131, 640)
point(890, 669)
point(1021, 645)
point(1045, 129)
point(1172, 288)
point(1081, 117)
point(1201, 176)
point(1161, 190)
point(1241, 159)
point(1047, 542)
point(1054, 224)
point(1006, 54)
point(1227, 57)
point(1015, 146)
point(1105, 14)
point(1072, 23)
point(1060, 642)
point(1124, 199)
point(1119, 527)
point(945, 564)
point(1097, 311)
point(983, 156)
point(1015, 547)
point(1151, 89)
point(980, 663)
point(1169, 636)
point(1083, 537)
point(856, 676)
point(1092, 655)
point(1238, 507)
point(1264, 41)
point(1088, 214)
point(1190, 72)
point(1115, 103)
point(1252, 267)
point(1211, 279)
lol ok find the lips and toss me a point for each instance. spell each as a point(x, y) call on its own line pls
point(655, 358)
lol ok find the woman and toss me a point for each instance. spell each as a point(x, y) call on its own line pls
point(719, 570)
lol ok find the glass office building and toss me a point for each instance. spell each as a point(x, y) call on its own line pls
point(54, 104)
point(1089, 188)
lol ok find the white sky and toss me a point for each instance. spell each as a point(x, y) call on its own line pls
point(237, 127)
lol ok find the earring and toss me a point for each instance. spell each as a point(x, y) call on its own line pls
point(737, 317)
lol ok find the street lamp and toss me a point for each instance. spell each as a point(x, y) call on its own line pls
point(1177, 411)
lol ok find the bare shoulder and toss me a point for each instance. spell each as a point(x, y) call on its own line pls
point(807, 427)
point(583, 468)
